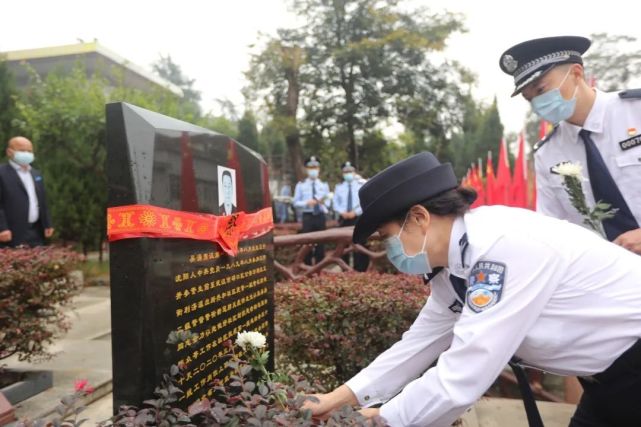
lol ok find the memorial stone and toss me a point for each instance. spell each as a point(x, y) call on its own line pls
point(168, 182)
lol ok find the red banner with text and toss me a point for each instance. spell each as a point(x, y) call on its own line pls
point(135, 221)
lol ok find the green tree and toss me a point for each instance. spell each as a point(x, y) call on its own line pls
point(276, 78)
point(248, 131)
point(64, 115)
point(220, 124)
point(480, 132)
point(369, 61)
point(613, 60)
point(166, 68)
point(7, 105)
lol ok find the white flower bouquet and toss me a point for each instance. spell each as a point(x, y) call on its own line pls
point(572, 174)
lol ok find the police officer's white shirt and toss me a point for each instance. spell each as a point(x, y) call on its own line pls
point(570, 304)
point(303, 193)
point(341, 194)
point(27, 180)
point(610, 121)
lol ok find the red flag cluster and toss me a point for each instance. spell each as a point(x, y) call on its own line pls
point(503, 188)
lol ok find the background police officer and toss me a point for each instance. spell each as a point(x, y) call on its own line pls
point(601, 131)
point(311, 196)
point(347, 204)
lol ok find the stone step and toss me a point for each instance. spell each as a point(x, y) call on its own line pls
point(499, 412)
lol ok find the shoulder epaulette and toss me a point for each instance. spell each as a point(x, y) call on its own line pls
point(630, 94)
point(545, 139)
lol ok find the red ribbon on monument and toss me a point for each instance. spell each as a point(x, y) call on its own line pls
point(135, 221)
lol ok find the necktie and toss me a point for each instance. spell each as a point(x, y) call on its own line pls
point(460, 286)
point(350, 202)
point(316, 206)
point(606, 190)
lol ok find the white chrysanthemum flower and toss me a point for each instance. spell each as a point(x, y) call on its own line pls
point(254, 339)
point(569, 169)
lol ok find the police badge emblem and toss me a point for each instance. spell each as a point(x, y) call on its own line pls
point(485, 285)
point(509, 63)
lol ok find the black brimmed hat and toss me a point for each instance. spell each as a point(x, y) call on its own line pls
point(530, 60)
point(399, 187)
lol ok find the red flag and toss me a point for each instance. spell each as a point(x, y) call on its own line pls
point(544, 128)
point(477, 184)
point(188, 194)
point(465, 181)
point(490, 183)
point(519, 179)
point(502, 193)
point(480, 189)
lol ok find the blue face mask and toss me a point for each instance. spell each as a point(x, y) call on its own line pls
point(23, 158)
point(348, 177)
point(312, 173)
point(551, 105)
point(416, 264)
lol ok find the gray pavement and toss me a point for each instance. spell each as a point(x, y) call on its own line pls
point(83, 353)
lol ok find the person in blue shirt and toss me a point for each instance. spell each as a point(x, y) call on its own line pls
point(311, 196)
point(281, 205)
point(348, 207)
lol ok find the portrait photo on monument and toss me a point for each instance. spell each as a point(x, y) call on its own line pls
point(226, 190)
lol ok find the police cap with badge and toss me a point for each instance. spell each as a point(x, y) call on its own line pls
point(347, 167)
point(312, 162)
point(400, 186)
point(530, 60)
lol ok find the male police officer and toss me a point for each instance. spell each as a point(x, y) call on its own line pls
point(311, 196)
point(601, 131)
point(348, 206)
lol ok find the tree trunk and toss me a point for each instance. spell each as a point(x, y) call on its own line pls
point(100, 251)
point(295, 151)
point(292, 138)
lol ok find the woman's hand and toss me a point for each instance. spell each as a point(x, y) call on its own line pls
point(370, 412)
point(329, 402)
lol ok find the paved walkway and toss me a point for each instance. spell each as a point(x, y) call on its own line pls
point(85, 353)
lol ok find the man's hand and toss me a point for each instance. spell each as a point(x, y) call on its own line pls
point(312, 202)
point(348, 215)
point(631, 240)
point(49, 232)
point(5, 236)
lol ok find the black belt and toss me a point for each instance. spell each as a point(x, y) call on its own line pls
point(32, 225)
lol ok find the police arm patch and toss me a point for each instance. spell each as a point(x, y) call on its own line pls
point(485, 285)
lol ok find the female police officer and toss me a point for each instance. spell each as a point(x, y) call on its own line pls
point(505, 282)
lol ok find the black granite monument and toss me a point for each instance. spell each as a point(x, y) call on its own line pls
point(159, 285)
